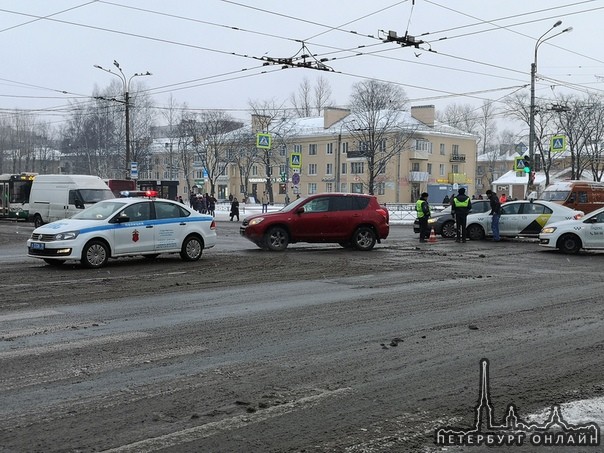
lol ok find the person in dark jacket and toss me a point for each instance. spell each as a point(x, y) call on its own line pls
point(234, 209)
point(495, 213)
point(423, 214)
point(460, 208)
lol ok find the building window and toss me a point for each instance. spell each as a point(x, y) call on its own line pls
point(382, 146)
point(297, 148)
point(343, 171)
point(357, 168)
point(329, 148)
point(415, 166)
point(423, 145)
point(328, 187)
point(283, 150)
point(254, 170)
point(344, 147)
point(329, 169)
point(441, 170)
point(455, 149)
point(343, 187)
point(442, 149)
point(429, 169)
point(454, 168)
point(312, 169)
point(356, 187)
point(312, 150)
point(380, 188)
point(312, 188)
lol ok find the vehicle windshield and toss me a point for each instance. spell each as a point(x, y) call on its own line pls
point(95, 195)
point(293, 204)
point(101, 210)
point(555, 195)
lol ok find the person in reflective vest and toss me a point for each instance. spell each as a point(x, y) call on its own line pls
point(460, 208)
point(423, 214)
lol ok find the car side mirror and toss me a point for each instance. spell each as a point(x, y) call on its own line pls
point(79, 204)
point(300, 210)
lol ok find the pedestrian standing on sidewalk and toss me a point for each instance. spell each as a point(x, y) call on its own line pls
point(460, 208)
point(495, 213)
point(265, 201)
point(423, 214)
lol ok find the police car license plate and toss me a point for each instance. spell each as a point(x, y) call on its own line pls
point(37, 246)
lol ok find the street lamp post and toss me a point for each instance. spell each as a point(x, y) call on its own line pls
point(126, 90)
point(533, 77)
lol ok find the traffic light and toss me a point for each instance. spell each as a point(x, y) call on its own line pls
point(527, 164)
point(283, 177)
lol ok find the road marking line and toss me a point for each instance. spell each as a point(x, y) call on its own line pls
point(39, 350)
point(210, 429)
point(29, 315)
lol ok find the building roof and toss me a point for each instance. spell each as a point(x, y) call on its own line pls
point(511, 178)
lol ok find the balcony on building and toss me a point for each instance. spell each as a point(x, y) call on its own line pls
point(418, 176)
point(456, 157)
point(415, 154)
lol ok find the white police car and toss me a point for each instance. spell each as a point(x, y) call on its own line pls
point(124, 227)
point(572, 235)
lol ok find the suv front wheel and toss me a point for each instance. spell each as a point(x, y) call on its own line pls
point(276, 239)
point(364, 238)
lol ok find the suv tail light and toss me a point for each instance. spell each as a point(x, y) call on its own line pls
point(384, 213)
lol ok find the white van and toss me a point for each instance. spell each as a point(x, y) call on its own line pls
point(55, 197)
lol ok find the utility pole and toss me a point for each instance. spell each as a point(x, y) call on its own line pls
point(126, 102)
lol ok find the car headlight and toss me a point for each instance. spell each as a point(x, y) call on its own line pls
point(256, 221)
point(66, 236)
point(548, 230)
point(431, 220)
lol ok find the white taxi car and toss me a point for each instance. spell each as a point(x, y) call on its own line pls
point(573, 235)
point(520, 218)
point(124, 227)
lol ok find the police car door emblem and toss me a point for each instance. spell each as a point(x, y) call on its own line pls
point(135, 236)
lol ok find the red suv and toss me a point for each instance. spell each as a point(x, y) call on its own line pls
point(351, 220)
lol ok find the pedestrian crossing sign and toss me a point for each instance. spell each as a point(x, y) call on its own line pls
point(263, 141)
point(519, 163)
point(295, 160)
point(558, 144)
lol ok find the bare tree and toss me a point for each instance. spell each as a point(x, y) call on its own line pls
point(517, 107)
point(486, 128)
point(377, 125)
point(581, 120)
point(461, 116)
point(272, 118)
point(310, 101)
point(244, 154)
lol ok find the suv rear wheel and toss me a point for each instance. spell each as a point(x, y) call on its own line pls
point(276, 239)
point(364, 238)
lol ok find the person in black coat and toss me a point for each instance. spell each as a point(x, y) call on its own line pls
point(234, 209)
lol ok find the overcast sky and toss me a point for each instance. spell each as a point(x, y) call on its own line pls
point(208, 53)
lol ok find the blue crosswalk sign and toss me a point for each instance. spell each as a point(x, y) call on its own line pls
point(295, 160)
point(263, 141)
point(558, 144)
